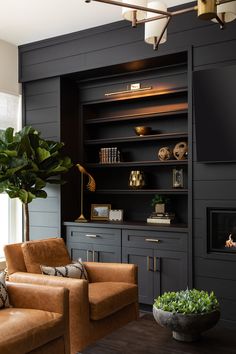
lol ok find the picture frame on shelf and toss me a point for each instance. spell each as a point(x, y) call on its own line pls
point(178, 178)
point(116, 215)
point(100, 211)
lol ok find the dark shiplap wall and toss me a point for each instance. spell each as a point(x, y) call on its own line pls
point(115, 47)
point(42, 112)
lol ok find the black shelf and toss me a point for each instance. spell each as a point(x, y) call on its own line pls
point(173, 191)
point(138, 163)
point(160, 114)
point(178, 135)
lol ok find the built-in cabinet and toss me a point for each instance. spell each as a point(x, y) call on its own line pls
point(161, 255)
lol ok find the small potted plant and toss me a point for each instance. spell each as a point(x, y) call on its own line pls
point(187, 313)
point(159, 202)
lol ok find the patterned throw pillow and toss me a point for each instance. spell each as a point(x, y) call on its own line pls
point(4, 299)
point(73, 270)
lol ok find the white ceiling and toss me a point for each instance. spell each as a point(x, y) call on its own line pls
point(25, 21)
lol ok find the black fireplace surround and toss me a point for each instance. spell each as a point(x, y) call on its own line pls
point(221, 230)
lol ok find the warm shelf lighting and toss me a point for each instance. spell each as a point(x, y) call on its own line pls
point(156, 17)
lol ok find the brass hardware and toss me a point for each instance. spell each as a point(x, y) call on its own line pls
point(91, 235)
point(152, 240)
point(88, 255)
point(107, 94)
point(206, 9)
point(155, 264)
point(148, 263)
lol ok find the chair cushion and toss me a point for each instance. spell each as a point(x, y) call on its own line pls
point(23, 330)
point(73, 270)
point(4, 299)
point(51, 252)
point(105, 298)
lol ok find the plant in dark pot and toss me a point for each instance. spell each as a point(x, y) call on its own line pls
point(187, 313)
point(27, 163)
point(160, 203)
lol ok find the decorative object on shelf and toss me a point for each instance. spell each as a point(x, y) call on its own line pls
point(109, 155)
point(178, 178)
point(161, 218)
point(159, 202)
point(142, 130)
point(91, 185)
point(136, 179)
point(100, 211)
point(230, 242)
point(187, 313)
point(180, 151)
point(156, 16)
point(164, 153)
point(116, 215)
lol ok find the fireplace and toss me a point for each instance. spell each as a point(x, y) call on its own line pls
point(221, 230)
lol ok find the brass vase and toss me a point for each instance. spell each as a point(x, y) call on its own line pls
point(136, 179)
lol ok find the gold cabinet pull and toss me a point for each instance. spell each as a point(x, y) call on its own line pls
point(152, 240)
point(155, 264)
point(148, 263)
point(88, 255)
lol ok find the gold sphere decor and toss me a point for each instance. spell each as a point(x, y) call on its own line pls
point(180, 151)
point(164, 153)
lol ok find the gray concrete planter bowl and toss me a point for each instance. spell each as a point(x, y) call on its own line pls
point(186, 328)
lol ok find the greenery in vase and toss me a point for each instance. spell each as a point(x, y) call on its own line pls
point(187, 302)
point(27, 163)
point(160, 199)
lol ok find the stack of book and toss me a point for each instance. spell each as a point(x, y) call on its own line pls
point(161, 218)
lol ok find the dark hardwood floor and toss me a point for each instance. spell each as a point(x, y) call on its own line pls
point(145, 336)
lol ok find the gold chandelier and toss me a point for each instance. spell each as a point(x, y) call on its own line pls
point(156, 17)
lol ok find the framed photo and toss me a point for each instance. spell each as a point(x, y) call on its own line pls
point(178, 178)
point(100, 211)
point(116, 215)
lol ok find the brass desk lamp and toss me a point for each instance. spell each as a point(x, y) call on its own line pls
point(91, 185)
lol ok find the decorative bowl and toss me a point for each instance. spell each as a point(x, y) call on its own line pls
point(186, 328)
point(142, 130)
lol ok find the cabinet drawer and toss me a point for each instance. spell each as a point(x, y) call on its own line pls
point(94, 235)
point(176, 241)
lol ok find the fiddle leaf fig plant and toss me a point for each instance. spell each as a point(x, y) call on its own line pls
point(27, 163)
point(187, 302)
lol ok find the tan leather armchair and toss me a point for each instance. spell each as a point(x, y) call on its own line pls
point(37, 321)
point(106, 302)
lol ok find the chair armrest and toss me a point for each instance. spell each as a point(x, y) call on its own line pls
point(47, 298)
point(102, 272)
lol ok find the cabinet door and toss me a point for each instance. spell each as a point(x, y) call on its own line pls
point(144, 259)
point(81, 250)
point(107, 254)
point(169, 271)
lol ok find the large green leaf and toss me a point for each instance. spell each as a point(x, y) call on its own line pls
point(42, 154)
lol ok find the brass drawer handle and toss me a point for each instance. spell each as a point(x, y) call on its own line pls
point(155, 264)
point(91, 235)
point(151, 240)
point(148, 263)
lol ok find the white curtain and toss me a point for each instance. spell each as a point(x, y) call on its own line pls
point(10, 209)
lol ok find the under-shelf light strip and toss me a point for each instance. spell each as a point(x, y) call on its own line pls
point(128, 91)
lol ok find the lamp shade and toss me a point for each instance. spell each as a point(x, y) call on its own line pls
point(226, 12)
point(153, 29)
point(127, 12)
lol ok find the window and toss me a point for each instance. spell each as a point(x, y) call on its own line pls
point(11, 209)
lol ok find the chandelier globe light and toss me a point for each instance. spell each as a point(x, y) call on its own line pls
point(155, 31)
point(226, 12)
point(128, 13)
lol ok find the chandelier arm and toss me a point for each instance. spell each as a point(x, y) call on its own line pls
point(156, 44)
point(221, 23)
point(135, 7)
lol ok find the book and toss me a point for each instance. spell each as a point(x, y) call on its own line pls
point(160, 220)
